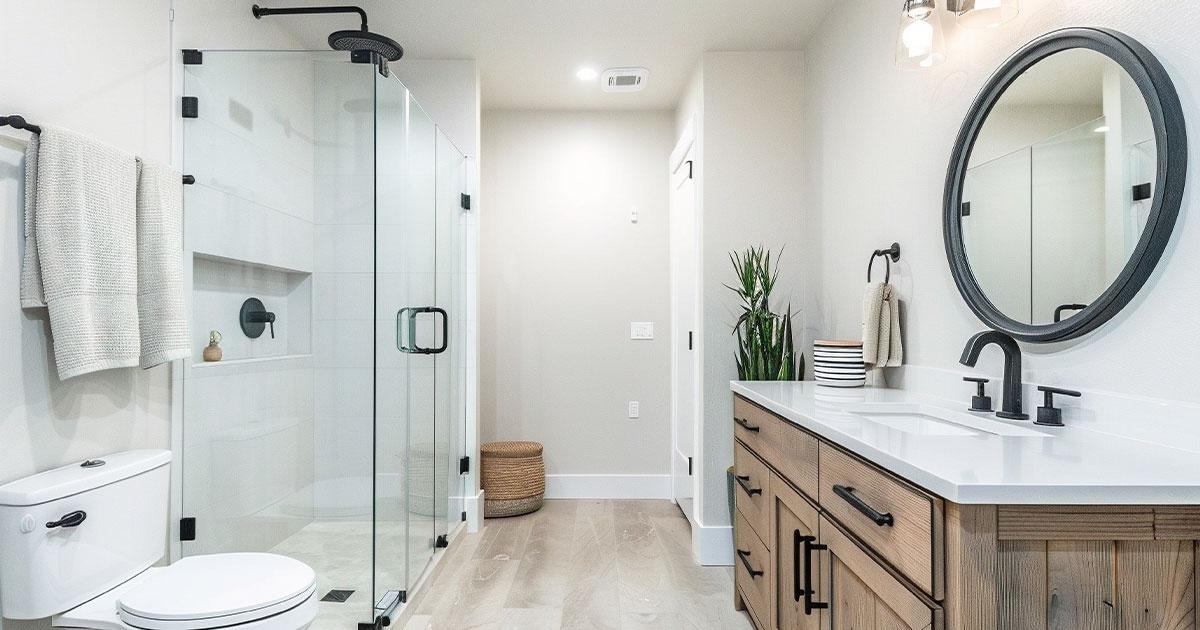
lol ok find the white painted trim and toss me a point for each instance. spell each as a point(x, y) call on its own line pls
point(474, 508)
point(712, 545)
point(608, 486)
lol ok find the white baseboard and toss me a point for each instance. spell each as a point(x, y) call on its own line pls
point(608, 486)
point(712, 545)
point(474, 509)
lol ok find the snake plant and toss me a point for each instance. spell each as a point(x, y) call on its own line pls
point(766, 351)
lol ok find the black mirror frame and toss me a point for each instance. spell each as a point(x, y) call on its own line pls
point(1171, 137)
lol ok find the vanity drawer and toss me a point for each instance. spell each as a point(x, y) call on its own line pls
point(752, 571)
point(752, 490)
point(756, 427)
point(898, 521)
point(795, 457)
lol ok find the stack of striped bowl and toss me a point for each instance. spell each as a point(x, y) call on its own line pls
point(839, 363)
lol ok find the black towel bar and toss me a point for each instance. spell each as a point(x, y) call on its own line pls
point(19, 122)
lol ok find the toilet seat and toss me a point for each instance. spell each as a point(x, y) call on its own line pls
point(239, 591)
point(218, 590)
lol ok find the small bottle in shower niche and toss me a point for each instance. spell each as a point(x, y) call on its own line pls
point(212, 352)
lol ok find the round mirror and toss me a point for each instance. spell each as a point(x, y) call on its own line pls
point(1064, 184)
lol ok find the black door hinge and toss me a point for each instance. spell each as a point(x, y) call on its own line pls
point(442, 542)
point(464, 517)
point(464, 465)
point(191, 107)
point(689, 340)
point(465, 201)
point(689, 163)
point(192, 57)
point(689, 466)
point(187, 528)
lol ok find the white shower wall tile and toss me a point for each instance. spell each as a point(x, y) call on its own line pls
point(224, 225)
point(344, 344)
point(343, 393)
point(343, 296)
point(344, 199)
point(344, 248)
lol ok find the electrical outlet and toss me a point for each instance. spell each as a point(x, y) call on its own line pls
point(633, 409)
point(641, 330)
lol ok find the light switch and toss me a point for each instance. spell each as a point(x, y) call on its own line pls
point(633, 409)
point(641, 330)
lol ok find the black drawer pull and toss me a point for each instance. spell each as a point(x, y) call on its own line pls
point(744, 557)
point(746, 425)
point(744, 482)
point(880, 518)
point(809, 547)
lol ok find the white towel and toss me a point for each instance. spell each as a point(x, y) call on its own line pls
point(162, 319)
point(881, 326)
point(81, 250)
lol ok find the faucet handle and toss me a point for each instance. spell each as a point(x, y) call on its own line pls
point(979, 402)
point(1049, 415)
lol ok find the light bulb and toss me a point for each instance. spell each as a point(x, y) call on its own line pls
point(918, 38)
point(586, 74)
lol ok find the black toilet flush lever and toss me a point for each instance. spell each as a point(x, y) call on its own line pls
point(255, 318)
point(1049, 415)
point(979, 402)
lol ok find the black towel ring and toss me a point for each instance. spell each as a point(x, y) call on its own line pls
point(891, 254)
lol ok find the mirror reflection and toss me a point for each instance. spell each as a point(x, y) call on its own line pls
point(1058, 187)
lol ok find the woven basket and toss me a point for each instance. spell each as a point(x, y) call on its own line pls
point(514, 478)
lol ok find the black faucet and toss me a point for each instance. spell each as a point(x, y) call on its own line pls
point(1011, 404)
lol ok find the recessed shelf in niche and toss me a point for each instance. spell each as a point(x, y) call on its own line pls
point(221, 285)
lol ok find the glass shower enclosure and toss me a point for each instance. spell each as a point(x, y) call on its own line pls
point(325, 196)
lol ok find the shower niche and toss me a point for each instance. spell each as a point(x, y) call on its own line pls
point(325, 191)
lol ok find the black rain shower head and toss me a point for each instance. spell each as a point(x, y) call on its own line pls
point(352, 41)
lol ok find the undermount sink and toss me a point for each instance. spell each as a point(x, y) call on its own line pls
point(928, 420)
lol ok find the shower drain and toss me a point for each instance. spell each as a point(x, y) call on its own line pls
point(337, 595)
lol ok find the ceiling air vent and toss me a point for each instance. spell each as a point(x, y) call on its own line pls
point(624, 79)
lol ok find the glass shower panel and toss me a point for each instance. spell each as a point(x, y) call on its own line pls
point(451, 365)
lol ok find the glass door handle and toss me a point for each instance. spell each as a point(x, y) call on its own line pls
point(409, 314)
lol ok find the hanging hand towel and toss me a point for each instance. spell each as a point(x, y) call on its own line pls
point(881, 326)
point(162, 319)
point(81, 250)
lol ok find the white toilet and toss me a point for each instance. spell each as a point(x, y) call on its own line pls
point(78, 543)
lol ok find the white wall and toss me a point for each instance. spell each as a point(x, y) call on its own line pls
point(874, 181)
point(749, 186)
point(564, 272)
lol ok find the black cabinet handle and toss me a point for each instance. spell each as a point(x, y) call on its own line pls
point(880, 518)
point(72, 519)
point(746, 425)
point(744, 482)
point(797, 545)
point(809, 547)
point(744, 557)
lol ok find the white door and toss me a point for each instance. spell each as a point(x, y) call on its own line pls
point(684, 326)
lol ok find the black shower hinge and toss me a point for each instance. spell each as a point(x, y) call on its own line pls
point(964, 209)
point(192, 57)
point(187, 528)
point(464, 465)
point(442, 542)
point(191, 107)
point(465, 201)
point(464, 516)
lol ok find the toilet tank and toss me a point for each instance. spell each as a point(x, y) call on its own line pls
point(48, 570)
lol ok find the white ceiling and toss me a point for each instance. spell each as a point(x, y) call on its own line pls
point(1071, 77)
point(529, 50)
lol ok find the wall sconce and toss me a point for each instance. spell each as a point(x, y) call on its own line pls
point(984, 13)
point(920, 44)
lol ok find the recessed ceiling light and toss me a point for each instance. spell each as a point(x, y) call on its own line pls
point(586, 74)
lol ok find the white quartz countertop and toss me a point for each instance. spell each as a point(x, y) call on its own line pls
point(1071, 465)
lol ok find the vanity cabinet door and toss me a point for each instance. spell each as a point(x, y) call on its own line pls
point(794, 523)
point(863, 595)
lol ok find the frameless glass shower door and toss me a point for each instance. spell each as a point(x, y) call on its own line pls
point(326, 192)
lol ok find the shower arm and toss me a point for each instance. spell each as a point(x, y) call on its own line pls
point(259, 12)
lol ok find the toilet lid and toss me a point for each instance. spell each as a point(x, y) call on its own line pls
point(217, 590)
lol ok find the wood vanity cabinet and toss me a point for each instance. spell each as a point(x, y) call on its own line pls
point(826, 540)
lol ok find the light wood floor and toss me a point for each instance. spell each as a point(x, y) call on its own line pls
point(573, 565)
